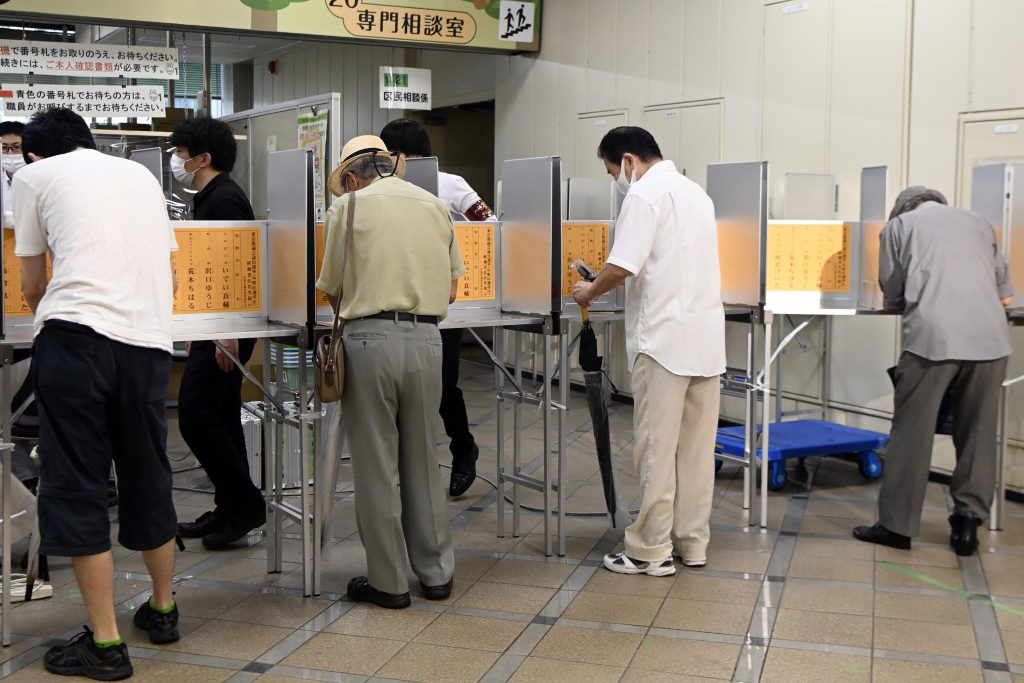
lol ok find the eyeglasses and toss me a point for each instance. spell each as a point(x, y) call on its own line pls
point(7, 149)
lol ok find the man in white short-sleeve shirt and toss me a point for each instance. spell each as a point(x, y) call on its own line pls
point(666, 252)
point(101, 366)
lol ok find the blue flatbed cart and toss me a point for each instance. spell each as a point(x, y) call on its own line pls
point(805, 439)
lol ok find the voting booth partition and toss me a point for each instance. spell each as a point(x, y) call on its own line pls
point(997, 194)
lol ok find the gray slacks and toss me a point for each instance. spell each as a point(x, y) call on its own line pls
point(920, 386)
point(392, 390)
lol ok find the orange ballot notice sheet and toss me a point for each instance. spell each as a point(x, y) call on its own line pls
point(477, 244)
point(219, 270)
point(808, 256)
point(14, 302)
point(587, 241)
point(321, 249)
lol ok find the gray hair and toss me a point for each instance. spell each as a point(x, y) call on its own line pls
point(913, 197)
point(372, 166)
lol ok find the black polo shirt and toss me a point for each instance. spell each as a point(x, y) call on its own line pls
point(222, 200)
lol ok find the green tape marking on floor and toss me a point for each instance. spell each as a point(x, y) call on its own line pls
point(899, 569)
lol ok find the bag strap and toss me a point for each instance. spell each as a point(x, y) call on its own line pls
point(346, 257)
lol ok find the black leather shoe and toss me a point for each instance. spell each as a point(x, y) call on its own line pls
point(162, 628)
point(882, 536)
point(963, 534)
point(206, 523)
point(81, 656)
point(438, 592)
point(360, 590)
point(234, 529)
point(463, 473)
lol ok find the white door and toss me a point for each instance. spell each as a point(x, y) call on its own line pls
point(590, 128)
point(690, 135)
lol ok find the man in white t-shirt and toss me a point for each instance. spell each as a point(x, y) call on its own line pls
point(102, 360)
point(666, 252)
point(408, 138)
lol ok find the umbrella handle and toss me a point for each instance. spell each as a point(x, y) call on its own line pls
point(585, 311)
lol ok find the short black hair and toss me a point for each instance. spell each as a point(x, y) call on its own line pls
point(55, 131)
point(408, 137)
point(208, 136)
point(12, 128)
point(632, 139)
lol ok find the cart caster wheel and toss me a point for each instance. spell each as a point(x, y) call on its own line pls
point(870, 466)
point(718, 465)
point(777, 476)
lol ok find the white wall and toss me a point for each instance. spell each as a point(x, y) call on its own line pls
point(352, 70)
point(832, 87)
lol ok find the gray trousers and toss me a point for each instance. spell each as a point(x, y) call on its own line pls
point(920, 386)
point(392, 390)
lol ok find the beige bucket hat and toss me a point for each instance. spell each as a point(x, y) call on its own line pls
point(357, 148)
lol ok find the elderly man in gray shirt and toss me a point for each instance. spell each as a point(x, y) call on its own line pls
point(940, 266)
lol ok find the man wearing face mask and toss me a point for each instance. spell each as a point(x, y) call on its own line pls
point(210, 400)
point(666, 252)
point(10, 139)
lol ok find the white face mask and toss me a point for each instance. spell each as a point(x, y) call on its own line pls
point(620, 181)
point(13, 163)
point(178, 170)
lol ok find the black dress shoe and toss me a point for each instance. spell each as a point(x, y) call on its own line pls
point(206, 523)
point(882, 536)
point(438, 592)
point(463, 473)
point(360, 590)
point(233, 529)
point(963, 534)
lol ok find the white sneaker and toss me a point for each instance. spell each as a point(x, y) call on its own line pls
point(621, 564)
point(690, 563)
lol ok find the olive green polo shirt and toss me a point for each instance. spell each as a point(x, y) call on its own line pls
point(404, 252)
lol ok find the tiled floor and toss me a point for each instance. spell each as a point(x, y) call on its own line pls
point(800, 602)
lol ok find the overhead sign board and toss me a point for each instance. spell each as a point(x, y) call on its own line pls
point(493, 25)
point(402, 87)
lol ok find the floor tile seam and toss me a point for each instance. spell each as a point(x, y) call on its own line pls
point(23, 660)
point(182, 657)
point(827, 648)
point(904, 656)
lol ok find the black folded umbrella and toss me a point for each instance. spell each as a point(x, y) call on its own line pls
point(597, 402)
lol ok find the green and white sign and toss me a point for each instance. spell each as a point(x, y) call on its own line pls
point(405, 88)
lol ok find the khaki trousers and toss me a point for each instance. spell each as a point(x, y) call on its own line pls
point(675, 420)
point(392, 390)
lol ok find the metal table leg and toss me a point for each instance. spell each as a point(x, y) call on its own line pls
point(6, 394)
point(499, 426)
point(766, 416)
point(517, 441)
point(563, 392)
point(995, 520)
point(546, 408)
point(750, 424)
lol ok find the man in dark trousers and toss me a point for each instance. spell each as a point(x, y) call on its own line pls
point(409, 138)
point(210, 398)
point(941, 268)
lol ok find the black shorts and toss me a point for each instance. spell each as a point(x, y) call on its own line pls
point(101, 401)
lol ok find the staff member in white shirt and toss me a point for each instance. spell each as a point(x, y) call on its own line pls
point(666, 251)
point(408, 138)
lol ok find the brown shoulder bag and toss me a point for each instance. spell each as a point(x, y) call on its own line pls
point(329, 355)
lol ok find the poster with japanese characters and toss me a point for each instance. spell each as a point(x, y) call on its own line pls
point(219, 270)
point(313, 135)
point(87, 100)
point(73, 59)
